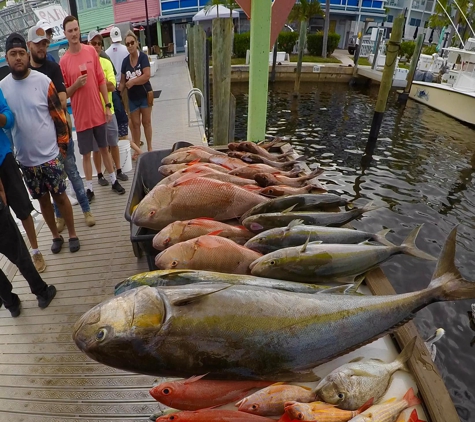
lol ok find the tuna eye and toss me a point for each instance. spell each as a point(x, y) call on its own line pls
point(152, 213)
point(101, 334)
point(272, 262)
point(174, 263)
point(255, 407)
point(341, 395)
point(166, 391)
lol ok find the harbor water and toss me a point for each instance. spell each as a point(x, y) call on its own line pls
point(422, 171)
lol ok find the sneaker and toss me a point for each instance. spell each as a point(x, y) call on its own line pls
point(39, 262)
point(45, 299)
point(15, 310)
point(90, 220)
point(90, 195)
point(102, 181)
point(60, 223)
point(116, 187)
point(122, 176)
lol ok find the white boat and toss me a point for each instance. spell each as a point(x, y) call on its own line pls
point(455, 95)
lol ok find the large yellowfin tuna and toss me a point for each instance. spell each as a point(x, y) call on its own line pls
point(331, 262)
point(244, 332)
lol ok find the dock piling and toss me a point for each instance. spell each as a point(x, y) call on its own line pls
point(403, 96)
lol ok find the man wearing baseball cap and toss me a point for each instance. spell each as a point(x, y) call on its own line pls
point(40, 134)
point(48, 28)
point(37, 44)
point(117, 51)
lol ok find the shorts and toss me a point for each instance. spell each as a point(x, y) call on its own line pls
point(86, 138)
point(47, 177)
point(136, 104)
point(15, 191)
point(112, 134)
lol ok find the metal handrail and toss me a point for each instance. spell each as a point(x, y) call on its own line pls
point(191, 94)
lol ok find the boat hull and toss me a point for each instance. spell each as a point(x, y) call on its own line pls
point(457, 104)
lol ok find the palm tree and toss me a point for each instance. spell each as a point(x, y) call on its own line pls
point(302, 12)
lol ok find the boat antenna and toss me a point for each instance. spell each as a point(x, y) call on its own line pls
point(452, 22)
point(465, 17)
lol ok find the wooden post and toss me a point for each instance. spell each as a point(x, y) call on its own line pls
point(376, 49)
point(191, 54)
point(403, 96)
point(258, 69)
point(199, 39)
point(302, 38)
point(222, 39)
point(326, 29)
point(386, 81)
point(232, 118)
point(274, 62)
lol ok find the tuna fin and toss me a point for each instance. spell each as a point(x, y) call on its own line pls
point(356, 359)
point(294, 223)
point(339, 290)
point(365, 406)
point(353, 289)
point(411, 398)
point(289, 209)
point(406, 353)
point(380, 237)
point(215, 233)
point(370, 207)
point(409, 246)
point(447, 282)
point(194, 378)
point(194, 292)
point(304, 247)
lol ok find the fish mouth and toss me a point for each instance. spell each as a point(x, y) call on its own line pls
point(254, 263)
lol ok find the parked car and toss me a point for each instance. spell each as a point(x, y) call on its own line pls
point(352, 44)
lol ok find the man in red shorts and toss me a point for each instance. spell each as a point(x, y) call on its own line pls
point(85, 82)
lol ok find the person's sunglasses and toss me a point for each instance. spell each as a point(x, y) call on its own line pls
point(128, 44)
point(95, 43)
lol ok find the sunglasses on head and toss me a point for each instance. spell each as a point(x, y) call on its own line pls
point(128, 44)
point(95, 43)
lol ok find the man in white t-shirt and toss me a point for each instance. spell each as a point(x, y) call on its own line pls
point(117, 51)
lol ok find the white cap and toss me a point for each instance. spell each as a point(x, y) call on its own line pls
point(36, 34)
point(43, 23)
point(92, 35)
point(115, 34)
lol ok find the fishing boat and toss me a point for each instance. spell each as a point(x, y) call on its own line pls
point(423, 375)
point(455, 95)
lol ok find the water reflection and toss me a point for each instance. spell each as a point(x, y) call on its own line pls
point(422, 170)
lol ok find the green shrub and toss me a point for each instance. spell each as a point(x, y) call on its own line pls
point(286, 41)
point(315, 43)
point(407, 49)
point(430, 49)
point(242, 43)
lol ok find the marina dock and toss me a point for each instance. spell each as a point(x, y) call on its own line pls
point(43, 376)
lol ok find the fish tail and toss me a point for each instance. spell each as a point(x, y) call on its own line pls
point(405, 354)
point(409, 246)
point(369, 207)
point(447, 282)
point(414, 417)
point(380, 237)
point(411, 398)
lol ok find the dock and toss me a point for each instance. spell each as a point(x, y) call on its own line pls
point(43, 376)
point(376, 75)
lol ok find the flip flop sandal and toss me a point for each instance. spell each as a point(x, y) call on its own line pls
point(57, 244)
point(74, 245)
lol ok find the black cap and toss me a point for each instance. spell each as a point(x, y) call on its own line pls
point(15, 40)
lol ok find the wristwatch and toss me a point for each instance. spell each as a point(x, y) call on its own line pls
point(109, 105)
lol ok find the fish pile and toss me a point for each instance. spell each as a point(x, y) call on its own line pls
point(250, 292)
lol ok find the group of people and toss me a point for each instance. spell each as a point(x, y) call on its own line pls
point(35, 121)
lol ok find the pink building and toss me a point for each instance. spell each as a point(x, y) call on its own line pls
point(134, 10)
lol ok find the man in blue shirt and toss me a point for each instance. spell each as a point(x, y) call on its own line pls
point(15, 191)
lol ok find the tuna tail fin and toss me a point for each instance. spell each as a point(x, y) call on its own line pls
point(447, 280)
point(414, 417)
point(409, 246)
point(380, 237)
point(406, 353)
point(411, 398)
